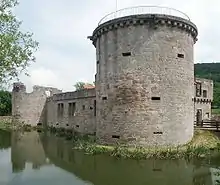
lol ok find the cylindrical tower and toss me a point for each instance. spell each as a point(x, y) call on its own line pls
point(145, 77)
point(19, 89)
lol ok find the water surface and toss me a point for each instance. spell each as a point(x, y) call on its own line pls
point(36, 159)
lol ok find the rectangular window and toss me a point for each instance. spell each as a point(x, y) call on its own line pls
point(180, 55)
point(60, 110)
point(155, 98)
point(126, 54)
point(104, 98)
point(94, 107)
point(157, 169)
point(158, 133)
point(204, 92)
point(116, 137)
point(72, 109)
point(83, 107)
point(198, 89)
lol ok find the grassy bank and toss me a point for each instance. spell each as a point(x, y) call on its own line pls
point(216, 111)
point(5, 125)
point(204, 144)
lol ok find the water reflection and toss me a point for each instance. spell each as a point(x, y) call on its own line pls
point(26, 147)
point(5, 139)
point(107, 170)
point(47, 159)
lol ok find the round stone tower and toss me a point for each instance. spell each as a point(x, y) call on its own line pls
point(145, 77)
point(19, 89)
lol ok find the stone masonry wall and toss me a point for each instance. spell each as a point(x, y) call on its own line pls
point(145, 77)
point(29, 108)
point(81, 118)
point(203, 101)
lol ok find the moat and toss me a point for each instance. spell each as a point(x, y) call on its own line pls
point(32, 158)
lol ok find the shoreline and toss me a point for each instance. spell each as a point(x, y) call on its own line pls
point(203, 145)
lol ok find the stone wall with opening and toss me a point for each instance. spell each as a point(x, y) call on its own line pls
point(30, 108)
point(73, 110)
point(203, 97)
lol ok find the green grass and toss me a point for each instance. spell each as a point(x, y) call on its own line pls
point(4, 125)
point(216, 111)
point(203, 144)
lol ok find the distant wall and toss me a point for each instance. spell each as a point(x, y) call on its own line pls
point(73, 110)
point(203, 96)
point(29, 108)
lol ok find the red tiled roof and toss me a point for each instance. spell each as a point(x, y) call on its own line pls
point(89, 86)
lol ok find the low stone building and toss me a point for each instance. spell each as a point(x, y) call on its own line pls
point(203, 97)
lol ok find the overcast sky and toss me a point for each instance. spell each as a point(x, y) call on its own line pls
point(61, 27)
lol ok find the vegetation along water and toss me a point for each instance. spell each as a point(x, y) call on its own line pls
point(28, 158)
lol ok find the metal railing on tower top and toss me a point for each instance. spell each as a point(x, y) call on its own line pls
point(138, 10)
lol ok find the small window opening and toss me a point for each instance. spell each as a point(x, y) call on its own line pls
point(60, 110)
point(94, 107)
point(104, 98)
point(90, 108)
point(158, 132)
point(207, 114)
point(198, 89)
point(83, 107)
point(155, 98)
point(180, 55)
point(97, 61)
point(67, 125)
point(48, 93)
point(116, 137)
point(72, 109)
point(157, 169)
point(77, 126)
point(126, 54)
point(204, 92)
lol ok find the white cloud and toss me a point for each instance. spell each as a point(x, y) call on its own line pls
point(67, 56)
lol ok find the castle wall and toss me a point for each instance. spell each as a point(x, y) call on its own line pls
point(145, 75)
point(78, 112)
point(29, 108)
point(203, 93)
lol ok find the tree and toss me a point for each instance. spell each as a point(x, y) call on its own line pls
point(79, 85)
point(210, 71)
point(16, 47)
point(5, 103)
